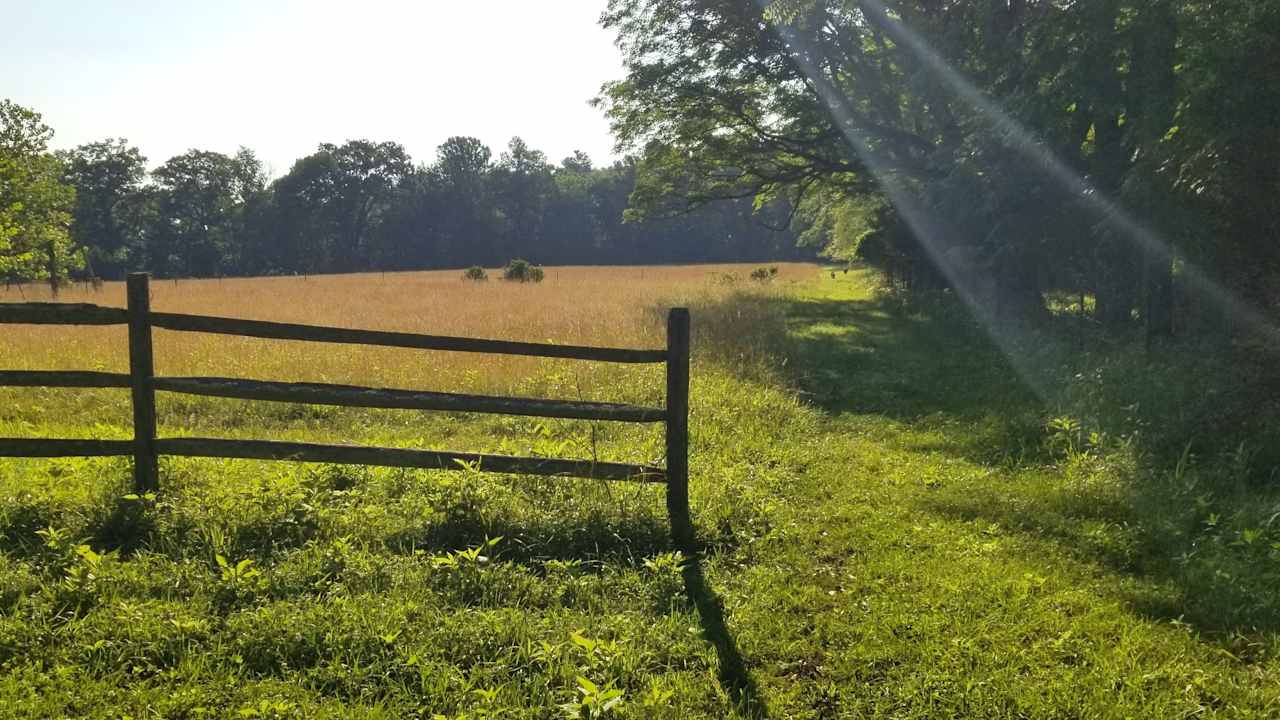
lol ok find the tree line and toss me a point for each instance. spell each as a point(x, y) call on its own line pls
point(1124, 152)
point(98, 211)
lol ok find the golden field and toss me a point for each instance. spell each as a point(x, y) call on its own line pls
point(606, 306)
point(735, 325)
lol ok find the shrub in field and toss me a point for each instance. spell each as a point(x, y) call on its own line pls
point(522, 271)
point(764, 274)
point(475, 272)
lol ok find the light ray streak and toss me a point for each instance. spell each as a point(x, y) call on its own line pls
point(919, 220)
point(1040, 156)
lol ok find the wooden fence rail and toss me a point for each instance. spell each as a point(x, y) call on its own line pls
point(145, 448)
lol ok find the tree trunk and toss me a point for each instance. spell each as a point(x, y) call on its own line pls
point(1115, 291)
point(1019, 297)
point(1158, 310)
point(1152, 88)
point(1116, 264)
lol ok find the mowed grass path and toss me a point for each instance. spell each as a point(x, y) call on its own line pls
point(918, 573)
point(869, 552)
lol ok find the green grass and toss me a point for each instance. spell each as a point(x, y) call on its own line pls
point(890, 529)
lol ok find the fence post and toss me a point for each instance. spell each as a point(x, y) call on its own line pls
point(142, 376)
point(678, 427)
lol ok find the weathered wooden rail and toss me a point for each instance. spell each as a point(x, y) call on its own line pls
point(146, 447)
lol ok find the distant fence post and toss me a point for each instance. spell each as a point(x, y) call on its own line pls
point(678, 427)
point(142, 382)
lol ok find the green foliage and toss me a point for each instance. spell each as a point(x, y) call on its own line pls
point(108, 178)
point(839, 223)
point(666, 575)
point(34, 203)
point(361, 205)
point(475, 272)
point(1133, 142)
point(522, 271)
point(595, 701)
point(201, 198)
point(333, 200)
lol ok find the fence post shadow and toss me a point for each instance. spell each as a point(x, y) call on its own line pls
point(732, 672)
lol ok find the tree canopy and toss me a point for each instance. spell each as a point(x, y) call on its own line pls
point(1095, 147)
point(359, 205)
point(35, 206)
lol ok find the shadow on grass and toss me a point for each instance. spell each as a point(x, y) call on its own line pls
point(861, 357)
point(733, 674)
point(1103, 534)
point(128, 526)
point(626, 541)
point(943, 375)
point(109, 522)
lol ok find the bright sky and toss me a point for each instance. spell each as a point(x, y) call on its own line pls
point(282, 76)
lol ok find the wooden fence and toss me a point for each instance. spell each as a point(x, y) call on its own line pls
point(143, 384)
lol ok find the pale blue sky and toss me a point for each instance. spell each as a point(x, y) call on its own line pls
point(281, 76)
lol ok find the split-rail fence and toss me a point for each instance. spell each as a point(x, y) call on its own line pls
point(146, 447)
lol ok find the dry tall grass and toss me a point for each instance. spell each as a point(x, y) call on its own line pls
point(608, 306)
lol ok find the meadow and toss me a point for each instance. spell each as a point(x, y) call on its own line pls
point(889, 523)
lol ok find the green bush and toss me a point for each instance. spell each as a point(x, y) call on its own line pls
point(763, 274)
point(522, 271)
point(475, 272)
